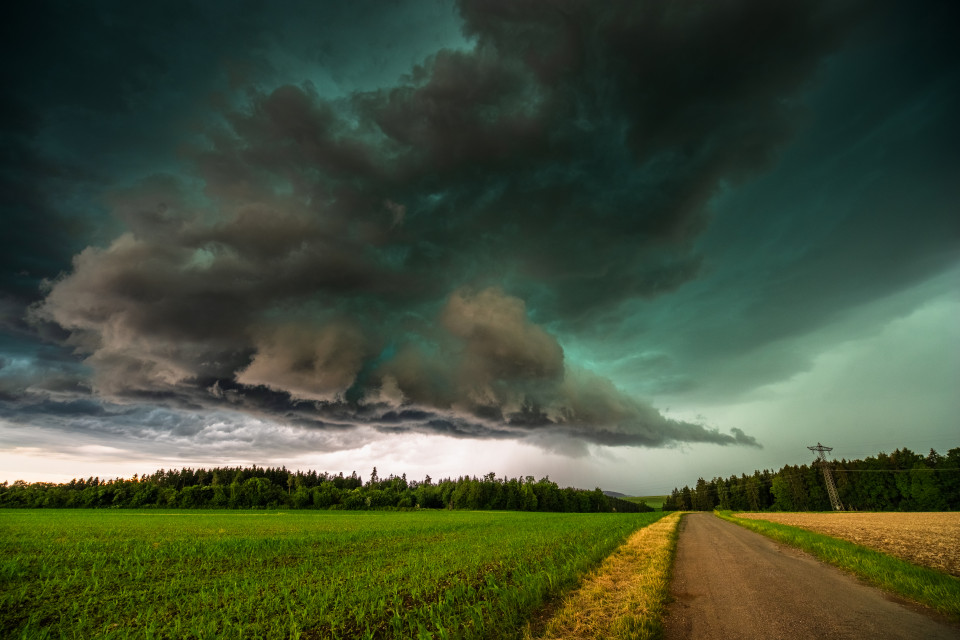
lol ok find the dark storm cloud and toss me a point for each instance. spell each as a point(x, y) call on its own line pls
point(38, 240)
point(580, 142)
point(101, 94)
point(75, 82)
point(66, 426)
point(394, 257)
point(816, 251)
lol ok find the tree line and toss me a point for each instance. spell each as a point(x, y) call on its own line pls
point(277, 488)
point(900, 481)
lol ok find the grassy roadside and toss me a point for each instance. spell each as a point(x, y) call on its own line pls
point(626, 596)
point(939, 591)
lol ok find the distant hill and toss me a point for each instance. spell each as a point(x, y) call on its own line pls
point(614, 494)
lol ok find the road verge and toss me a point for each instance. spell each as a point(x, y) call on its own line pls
point(626, 596)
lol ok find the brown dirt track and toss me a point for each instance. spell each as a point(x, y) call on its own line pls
point(733, 584)
point(927, 539)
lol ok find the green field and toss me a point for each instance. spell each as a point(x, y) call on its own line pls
point(655, 502)
point(247, 574)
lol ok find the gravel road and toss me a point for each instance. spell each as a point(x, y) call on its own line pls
point(732, 583)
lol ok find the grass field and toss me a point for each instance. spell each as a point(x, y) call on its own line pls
point(929, 587)
point(244, 574)
point(655, 502)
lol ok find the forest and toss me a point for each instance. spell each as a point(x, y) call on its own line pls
point(277, 488)
point(900, 481)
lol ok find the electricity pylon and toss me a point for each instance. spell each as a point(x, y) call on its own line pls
point(827, 475)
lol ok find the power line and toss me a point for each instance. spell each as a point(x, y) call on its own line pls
point(827, 475)
point(894, 470)
point(774, 475)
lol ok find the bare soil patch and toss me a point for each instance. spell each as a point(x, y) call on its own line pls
point(928, 539)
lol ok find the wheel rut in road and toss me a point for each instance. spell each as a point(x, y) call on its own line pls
point(729, 582)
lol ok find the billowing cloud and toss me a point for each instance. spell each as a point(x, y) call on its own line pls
point(407, 256)
point(500, 342)
point(479, 369)
point(309, 364)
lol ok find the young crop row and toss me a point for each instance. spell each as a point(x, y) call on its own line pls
point(430, 574)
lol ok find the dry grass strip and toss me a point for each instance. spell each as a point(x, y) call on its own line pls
point(625, 597)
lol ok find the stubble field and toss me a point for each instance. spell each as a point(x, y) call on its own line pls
point(309, 575)
point(926, 539)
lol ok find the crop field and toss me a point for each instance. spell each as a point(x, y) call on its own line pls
point(927, 539)
point(242, 574)
point(654, 502)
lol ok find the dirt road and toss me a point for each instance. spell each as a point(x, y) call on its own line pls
point(732, 583)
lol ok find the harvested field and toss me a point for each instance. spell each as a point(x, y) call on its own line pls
point(927, 539)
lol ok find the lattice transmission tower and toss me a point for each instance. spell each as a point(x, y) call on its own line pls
point(827, 475)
